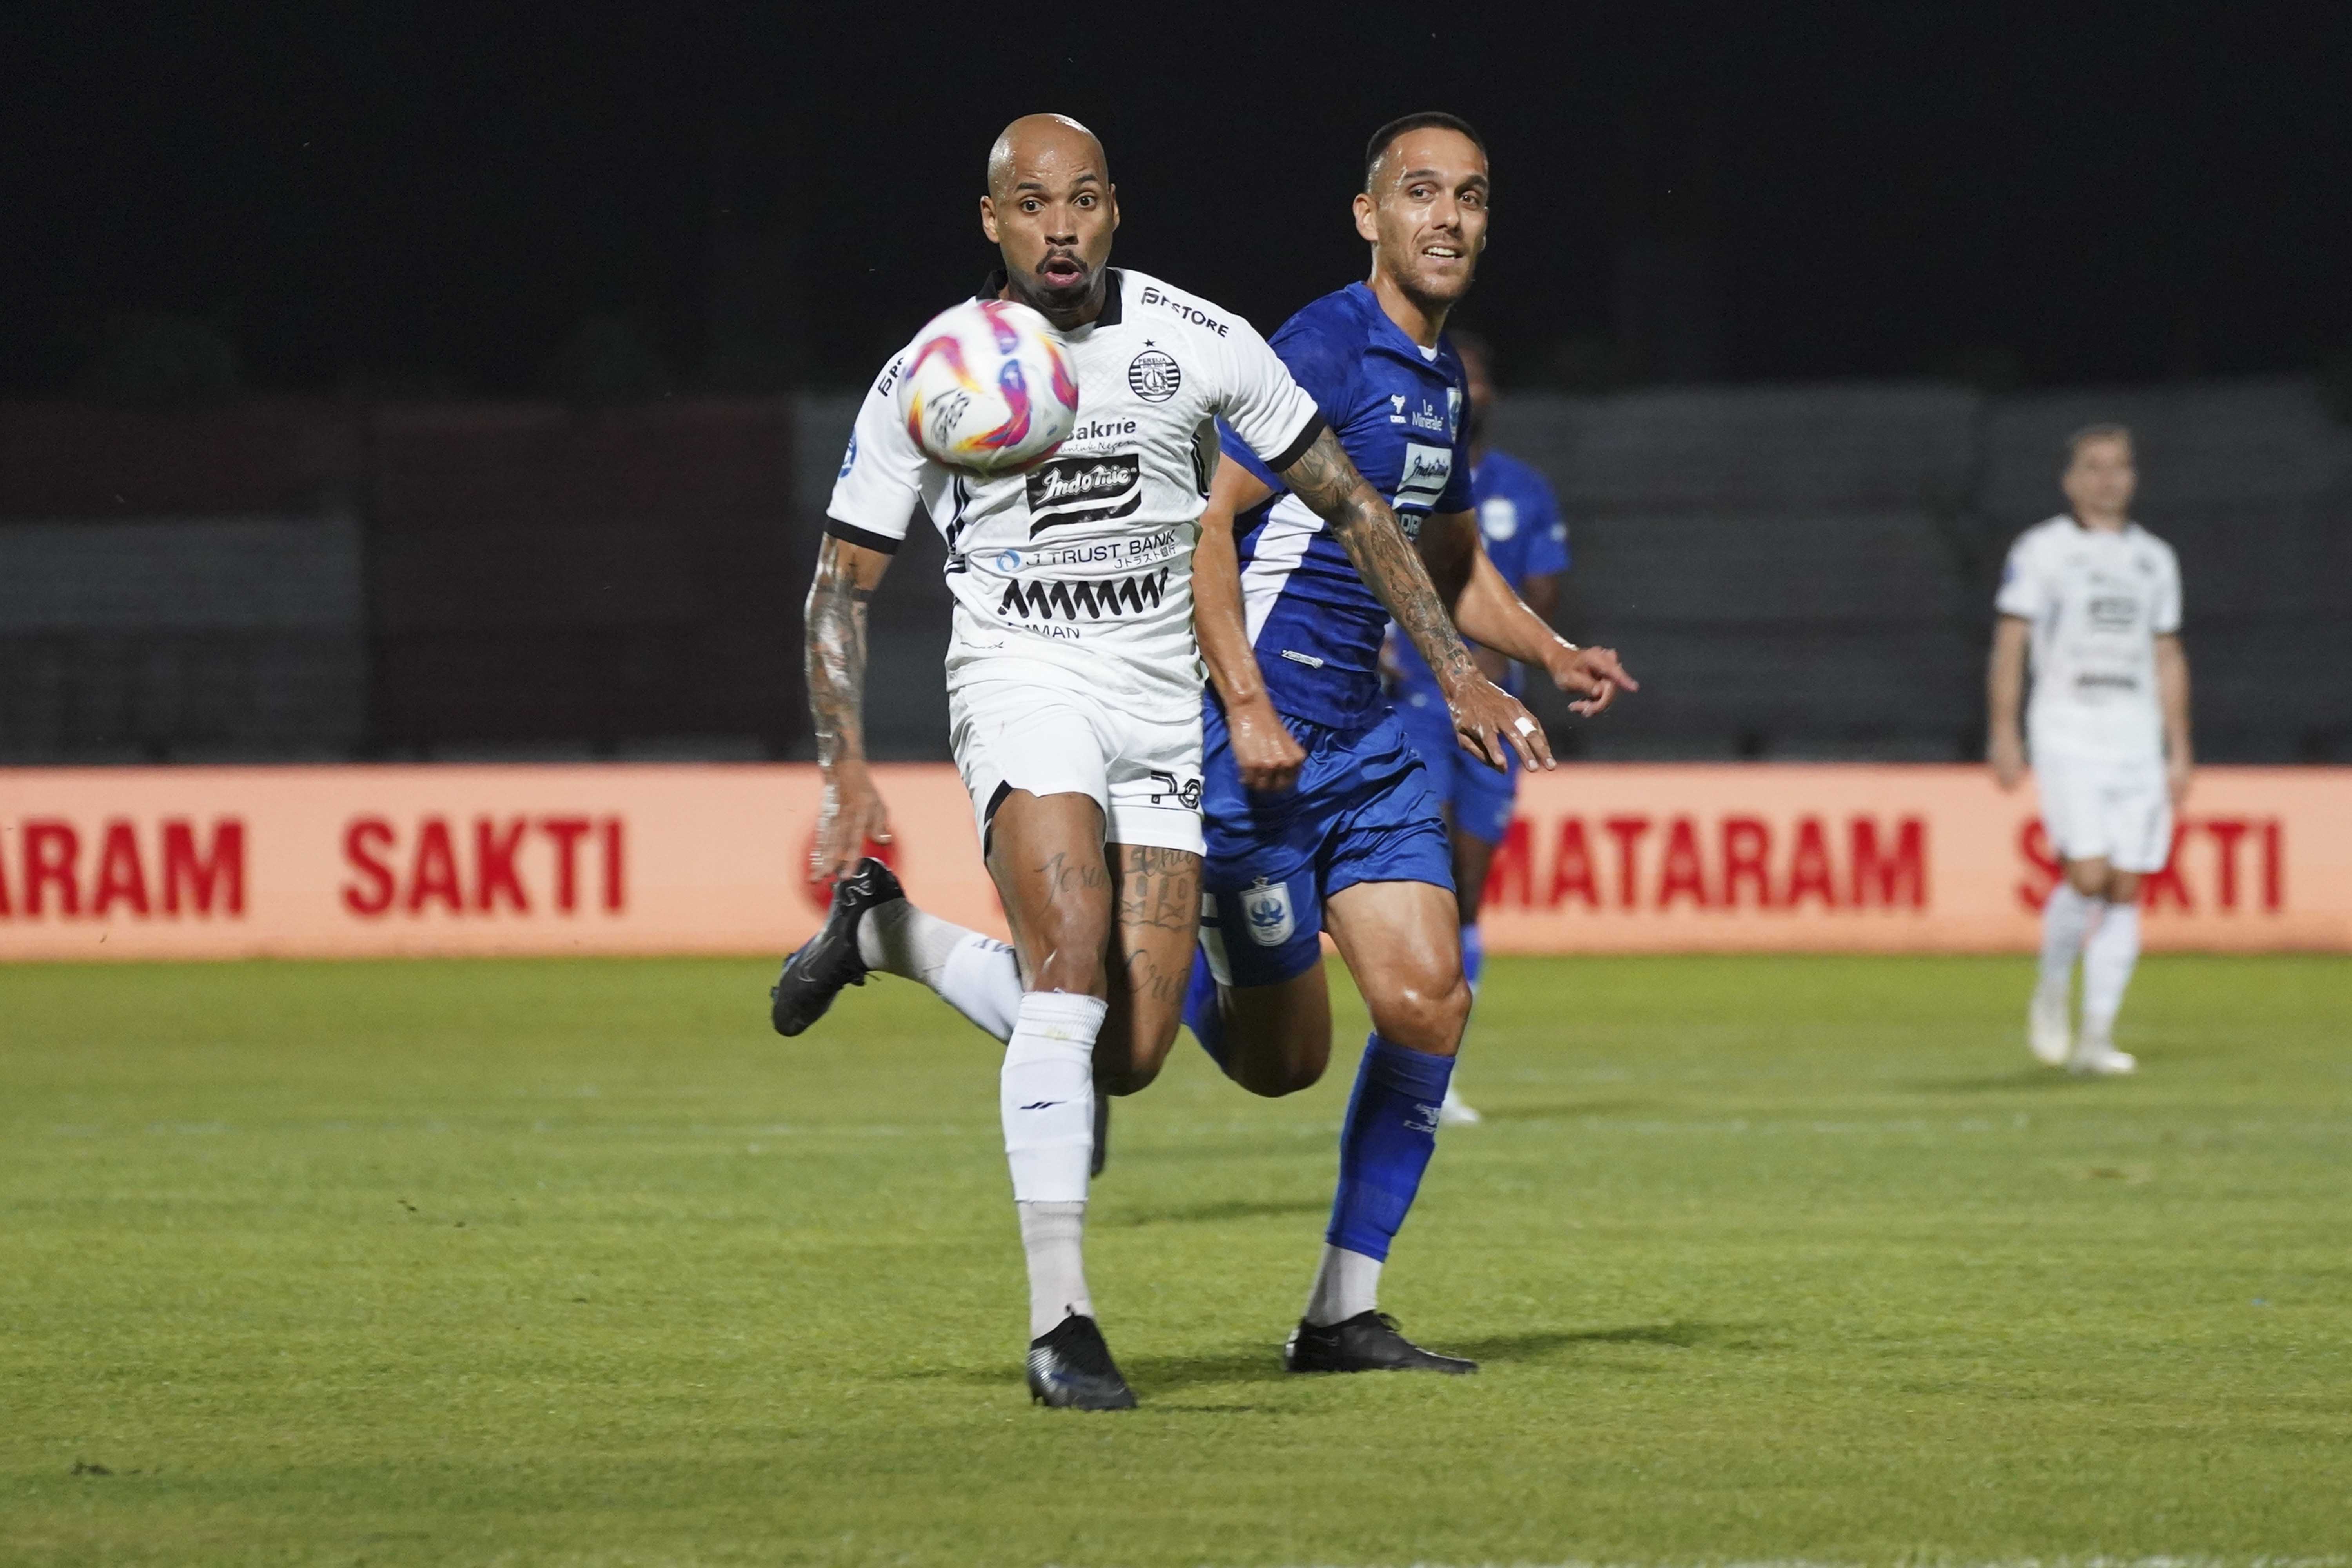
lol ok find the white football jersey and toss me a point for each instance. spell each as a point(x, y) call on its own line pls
point(2097, 601)
point(1086, 560)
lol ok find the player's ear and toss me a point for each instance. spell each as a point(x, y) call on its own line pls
point(1114, 209)
point(987, 219)
point(1367, 225)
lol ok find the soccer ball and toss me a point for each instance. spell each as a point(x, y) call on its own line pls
point(988, 389)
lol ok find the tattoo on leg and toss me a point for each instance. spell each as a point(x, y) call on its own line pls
point(1063, 876)
point(1158, 888)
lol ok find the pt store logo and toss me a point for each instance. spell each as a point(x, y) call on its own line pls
point(1153, 376)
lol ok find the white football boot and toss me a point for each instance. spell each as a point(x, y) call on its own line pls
point(2046, 1025)
point(1453, 1114)
point(2098, 1057)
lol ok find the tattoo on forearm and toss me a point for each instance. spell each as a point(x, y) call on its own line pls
point(1332, 488)
point(836, 656)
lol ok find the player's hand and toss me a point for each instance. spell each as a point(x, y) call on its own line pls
point(1266, 754)
point(2178, 773)
point(1592, 671)
point(851, 813)
point(1486, 718)
point(2006, 754)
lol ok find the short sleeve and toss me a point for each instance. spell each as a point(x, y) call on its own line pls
point(1263, 405)
point(1545, 530)
point(2022, 591)
point(881, 479)
point(2164, 618)
point(1233, 449)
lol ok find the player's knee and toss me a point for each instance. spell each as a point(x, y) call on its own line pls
point(2090, 878)
point(1126, 1078)
point(1274, 1077)
point(2123, 886)
point(1425, 1013)
point(1124, 1067)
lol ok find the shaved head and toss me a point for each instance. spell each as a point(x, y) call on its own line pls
point(1051, 211)
point(1034, 139)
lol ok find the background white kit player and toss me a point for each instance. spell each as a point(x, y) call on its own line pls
point(2095, 600)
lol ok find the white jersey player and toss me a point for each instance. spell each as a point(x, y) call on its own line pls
point(2095, 599)
point(1075, 689)
point(1075, 578)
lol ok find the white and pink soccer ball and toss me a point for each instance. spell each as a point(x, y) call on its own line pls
point(989, 388)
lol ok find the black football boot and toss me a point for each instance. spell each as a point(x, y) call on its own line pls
point(1369, 1341)
point(1070, 1368)
point(828, 961)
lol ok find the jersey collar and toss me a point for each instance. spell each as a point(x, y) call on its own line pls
point(1387, 335)
point(992, 286)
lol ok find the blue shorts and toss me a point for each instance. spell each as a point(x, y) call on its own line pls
point(1479, 798)
point(1362, 812)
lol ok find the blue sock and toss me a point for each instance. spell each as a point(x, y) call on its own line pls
point(1385, 1144)
point(1201, 1013)
point(1474, 954)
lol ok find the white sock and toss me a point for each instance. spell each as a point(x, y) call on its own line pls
point(2107, 961)
point(1346, 1285)
point(2065, 922)
point(1046, 1098)
point(976, 975)
point(1052, 1236)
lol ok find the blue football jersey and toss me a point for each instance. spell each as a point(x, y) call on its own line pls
point(1316, 627)
point(1519, 517)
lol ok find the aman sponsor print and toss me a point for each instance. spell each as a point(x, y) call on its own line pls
point(227, 862)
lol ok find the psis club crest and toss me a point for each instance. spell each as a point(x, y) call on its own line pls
point(1266, 906)
point(1153, 376)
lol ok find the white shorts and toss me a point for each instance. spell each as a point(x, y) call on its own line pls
point(2097, 810)
point(1051, 738)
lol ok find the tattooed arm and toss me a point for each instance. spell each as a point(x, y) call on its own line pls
point(846, 574)
point(1485, 717)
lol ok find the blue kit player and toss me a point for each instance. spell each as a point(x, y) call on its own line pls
point(1521, 529)
point(1319, 814)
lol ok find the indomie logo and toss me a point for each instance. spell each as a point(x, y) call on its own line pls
point(1092, 601)
point(1084, 489)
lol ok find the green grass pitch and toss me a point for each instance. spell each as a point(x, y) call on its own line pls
point(575, 1263)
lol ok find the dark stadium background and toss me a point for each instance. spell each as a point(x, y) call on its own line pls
point(526, 329)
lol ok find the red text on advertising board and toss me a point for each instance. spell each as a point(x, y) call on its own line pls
point(2240, 862)
point(1634, 861)
point(123, 867)
point(488, 865)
